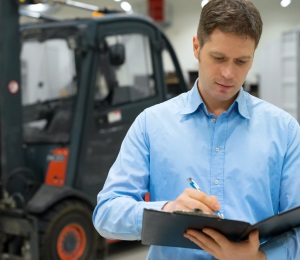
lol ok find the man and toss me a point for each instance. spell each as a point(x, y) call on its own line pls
point(243, 152)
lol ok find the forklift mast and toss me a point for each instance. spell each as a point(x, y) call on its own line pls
point(10, 92)
point(11, 137)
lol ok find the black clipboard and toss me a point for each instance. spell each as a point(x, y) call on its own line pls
point(167, 229)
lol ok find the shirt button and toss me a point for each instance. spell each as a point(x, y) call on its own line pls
point(216, 182)
point(213, 120)
point(217, 149)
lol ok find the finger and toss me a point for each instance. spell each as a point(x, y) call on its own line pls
point(202, 201)
point(204, 239)
point(172, 206)
point(219, 239)
point(254, 238)
point(198, 242)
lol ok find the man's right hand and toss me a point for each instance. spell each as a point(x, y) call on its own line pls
point(193, 199)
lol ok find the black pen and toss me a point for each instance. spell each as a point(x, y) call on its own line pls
point(196, 186)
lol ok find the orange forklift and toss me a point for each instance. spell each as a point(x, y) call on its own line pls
point(69, 92)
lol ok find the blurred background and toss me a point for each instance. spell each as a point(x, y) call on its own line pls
point(179, 20)
point(83, 83)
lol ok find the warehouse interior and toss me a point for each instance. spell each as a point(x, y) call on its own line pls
point(179, 21)
point(274, 77)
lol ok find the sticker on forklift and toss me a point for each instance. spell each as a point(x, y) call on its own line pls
point(13, 87)
point(114, 116)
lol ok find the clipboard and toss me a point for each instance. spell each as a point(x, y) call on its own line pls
point(167, 229)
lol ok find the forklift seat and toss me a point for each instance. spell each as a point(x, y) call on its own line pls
point(60, 123)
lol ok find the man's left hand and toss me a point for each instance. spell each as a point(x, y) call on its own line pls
point(221, 248)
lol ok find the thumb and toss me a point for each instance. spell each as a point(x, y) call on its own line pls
point(254, 237)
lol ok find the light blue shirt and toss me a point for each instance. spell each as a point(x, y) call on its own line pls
point(249, 157)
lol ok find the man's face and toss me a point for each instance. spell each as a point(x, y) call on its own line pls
point(224, 61)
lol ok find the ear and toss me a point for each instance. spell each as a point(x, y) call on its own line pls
point(196, 47)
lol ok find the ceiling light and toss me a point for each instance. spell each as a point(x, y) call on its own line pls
point(204, 2)
point(285, 3)
point(126, 6)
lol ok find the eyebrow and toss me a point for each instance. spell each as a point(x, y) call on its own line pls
point(241, 58)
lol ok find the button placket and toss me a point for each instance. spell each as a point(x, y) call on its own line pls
point(218, 126)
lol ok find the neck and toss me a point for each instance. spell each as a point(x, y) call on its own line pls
point(217, 111)
point(214, 106)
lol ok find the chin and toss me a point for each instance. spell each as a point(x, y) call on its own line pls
point(225, 98)
point(227, 95)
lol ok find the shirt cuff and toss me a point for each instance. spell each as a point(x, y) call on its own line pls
point(273, 250)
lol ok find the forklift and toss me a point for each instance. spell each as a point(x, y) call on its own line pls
point(70, 90)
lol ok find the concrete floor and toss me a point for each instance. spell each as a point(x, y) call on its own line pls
point(125, 250)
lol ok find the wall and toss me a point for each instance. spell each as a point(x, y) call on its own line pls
point(184, 19)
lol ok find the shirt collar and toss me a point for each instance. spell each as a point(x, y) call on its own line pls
point(194, 100)
point(241, 101)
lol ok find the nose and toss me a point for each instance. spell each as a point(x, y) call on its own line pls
point(227, 71)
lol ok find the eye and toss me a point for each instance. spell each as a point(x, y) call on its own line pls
point(241, 62)
point(218, 58)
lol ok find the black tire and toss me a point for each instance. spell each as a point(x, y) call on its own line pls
point(67, 233)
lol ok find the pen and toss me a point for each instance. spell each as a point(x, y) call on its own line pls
point(196, 186)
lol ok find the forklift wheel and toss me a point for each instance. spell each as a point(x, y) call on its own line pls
point(67, 233)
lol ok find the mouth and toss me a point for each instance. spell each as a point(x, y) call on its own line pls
point(224, 85)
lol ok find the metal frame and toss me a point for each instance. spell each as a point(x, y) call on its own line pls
point(14, 222)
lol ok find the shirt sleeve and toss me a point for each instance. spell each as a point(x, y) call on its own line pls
point(286, 245)
point(120, 204)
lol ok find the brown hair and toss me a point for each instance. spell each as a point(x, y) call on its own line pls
point(230, 16)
